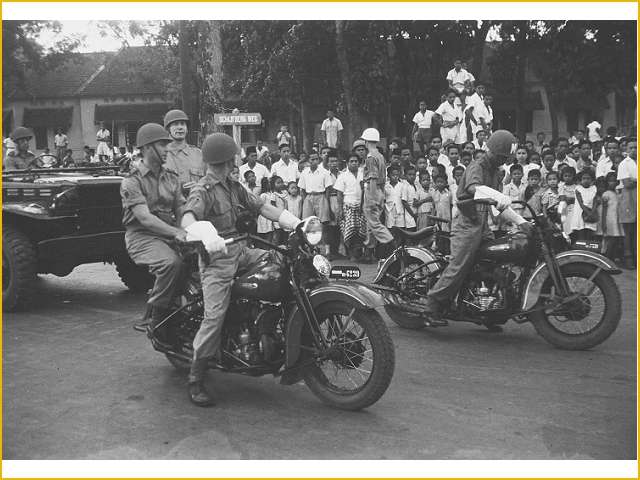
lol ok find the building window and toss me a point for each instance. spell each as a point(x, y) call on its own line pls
point(40, 134)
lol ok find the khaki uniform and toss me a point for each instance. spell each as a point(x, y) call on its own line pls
point(186, 161)
point(16, 160)
point(163, 196)
point(469, 229)
point(375, 167)
point(220, 202)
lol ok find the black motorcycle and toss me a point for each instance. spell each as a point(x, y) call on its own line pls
point(568, 295)
point(286, 318)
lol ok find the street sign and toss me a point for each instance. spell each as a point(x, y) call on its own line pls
point(237, 118)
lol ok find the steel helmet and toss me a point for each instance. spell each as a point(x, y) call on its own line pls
point(370, 135)
point(21, 132)
point(150, 133)
point(358, 143)
point(219, 148)
point(501, 142)
point(174, 116)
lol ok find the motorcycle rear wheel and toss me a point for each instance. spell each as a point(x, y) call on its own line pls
point(550, 329)
point(364, 353)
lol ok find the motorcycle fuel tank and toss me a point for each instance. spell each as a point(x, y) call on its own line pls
point(511, 248)
point(266, 280)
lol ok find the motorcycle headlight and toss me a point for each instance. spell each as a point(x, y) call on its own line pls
point(312, 229)
point(322, 265)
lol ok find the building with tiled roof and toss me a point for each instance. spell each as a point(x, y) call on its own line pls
point(124, 89)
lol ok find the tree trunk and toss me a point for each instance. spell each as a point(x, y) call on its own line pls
point(185, 69)
point(553, 115)
point(345, 76)
point(521, 66)
point(306, 140)
point(215, 79)
point(478, 48)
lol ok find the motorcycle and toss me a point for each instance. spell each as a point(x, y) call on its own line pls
point(568, 295)
point(288, 319)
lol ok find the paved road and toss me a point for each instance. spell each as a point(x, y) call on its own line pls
point(79, 383)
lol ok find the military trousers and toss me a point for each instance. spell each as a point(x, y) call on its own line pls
point(217, 280)
point(466, 236)
point(154, 251)
point(372, 209)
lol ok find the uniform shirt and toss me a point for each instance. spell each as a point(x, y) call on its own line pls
point(16, 160)
point(459, 79)
point(315, 181)
point(331, 127)
point(288, 173)
point(186, 161)
point(162, 195)
point(375, 166)
point(349, 185)
point(478, 172)
point(423, 120)
point(258, 169)
point(221, 202)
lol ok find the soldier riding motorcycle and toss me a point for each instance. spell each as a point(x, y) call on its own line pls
point(530, 275)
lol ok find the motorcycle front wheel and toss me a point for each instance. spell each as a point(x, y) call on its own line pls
point(588, 321)
point(358, 366)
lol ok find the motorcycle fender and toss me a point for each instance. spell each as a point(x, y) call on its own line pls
point(356, 294)
point(422, 254)
point(541, 272)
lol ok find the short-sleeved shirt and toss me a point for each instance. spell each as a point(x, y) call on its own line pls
point(627, 205)
point(349, 185)
point(16, 160)
point(221, 202)
point(259, 170)
point(162, 195)
point(459, 79)
point(423, 120)
point(103, 135)
point(288, 173)
point(315, 181)
point(332, 127)
point(375, 166)
point(186, 161)
point(449, 113)
point(603, 167)
point(478, 172)
point(60, 140)
point(592, 133)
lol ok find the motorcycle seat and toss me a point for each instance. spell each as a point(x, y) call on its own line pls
point(418, 235)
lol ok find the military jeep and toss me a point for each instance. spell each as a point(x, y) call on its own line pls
point(56, 219)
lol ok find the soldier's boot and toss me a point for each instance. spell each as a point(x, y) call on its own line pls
point(155, 333)
point(198, 393)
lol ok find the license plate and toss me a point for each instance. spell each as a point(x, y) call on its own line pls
point(348, 273)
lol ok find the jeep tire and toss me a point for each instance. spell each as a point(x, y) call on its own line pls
point(19, 269)
point(136, 277)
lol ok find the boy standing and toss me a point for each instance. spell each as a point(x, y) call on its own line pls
point(350, 217)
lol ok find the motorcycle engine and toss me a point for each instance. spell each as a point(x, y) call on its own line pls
point(489, 288)
point(253, 335)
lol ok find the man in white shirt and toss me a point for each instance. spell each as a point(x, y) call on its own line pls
point(261, 150)
point(605, 163)
point(102, 148)
point(476, 112)
point(421, 132)
point(593, 131)
point(332, 130)
point(351, 219)
point(285, 168)
point(451, 119)
point(61, 142)
point(628, 199)
point(314, 182)
point(252, 164)
point(458, 77)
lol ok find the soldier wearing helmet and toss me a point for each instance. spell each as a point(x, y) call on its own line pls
point(375, 177)
point(21, 158)
point(220, 200)
point(152, 202)
point(184, 159)
point(470, 225)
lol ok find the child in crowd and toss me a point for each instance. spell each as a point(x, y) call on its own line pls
point(294, 200)
point(421, 167)
point(442, 202)
point(515, 188)
point(458, 170)
point(424, 201)
point(584, 217)
point(480, 143)
point(393, 191)
point(612, 246)
point(465, 159)
point(548, 159)
point(235, 174)
point(409, 195)
point(433, 155)
point(279, 200)
point(550, 196)
point(264, 225)
point(533, 194)
point(567, 197)
point(250, 183)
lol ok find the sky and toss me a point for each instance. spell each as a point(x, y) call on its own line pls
point(89, 33)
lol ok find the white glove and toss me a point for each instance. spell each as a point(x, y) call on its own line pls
point(288, 221)
point(208, 235)
point(512, 217)
point(487, 193)
point(215, 244)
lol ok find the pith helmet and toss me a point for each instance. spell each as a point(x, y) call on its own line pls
point(174, 116)
point(21, 132)
point(150, 133)
point(218, 148)
point(371, 135)
point(501, 142)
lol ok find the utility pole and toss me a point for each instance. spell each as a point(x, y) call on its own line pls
point(186, 72)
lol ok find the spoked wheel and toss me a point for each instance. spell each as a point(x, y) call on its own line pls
point(590, 318)
point(400, 311)
point(184, 328)
point(357, 368)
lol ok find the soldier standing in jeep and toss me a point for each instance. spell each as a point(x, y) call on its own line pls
point(152, 201)
point(184, 159)
point(21, 158)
